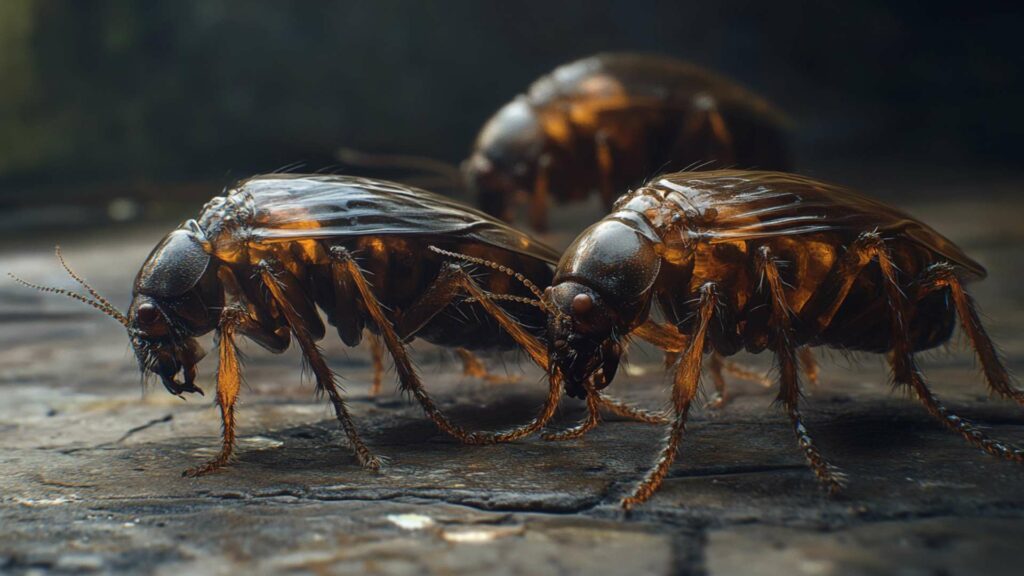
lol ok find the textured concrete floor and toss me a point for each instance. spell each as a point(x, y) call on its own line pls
point(90, 463)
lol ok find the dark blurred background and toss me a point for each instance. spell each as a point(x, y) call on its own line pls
point(122, 110)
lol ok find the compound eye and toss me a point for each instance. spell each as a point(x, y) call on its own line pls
point(147, 314)
point(582, 303)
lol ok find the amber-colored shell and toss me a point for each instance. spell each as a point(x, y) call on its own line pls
point(608, 122)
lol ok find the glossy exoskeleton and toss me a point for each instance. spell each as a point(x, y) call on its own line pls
point(608, 122)
point(262, 258)
point(762, 261)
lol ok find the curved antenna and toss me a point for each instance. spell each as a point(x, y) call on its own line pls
point(100, 303)
point(74, 296)
point(509, 272)
point(511, 298)
point(111, 310)
point(354, 157)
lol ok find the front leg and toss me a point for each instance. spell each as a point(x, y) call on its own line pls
point(287, 294)
point(229, 380)
point(684, 390)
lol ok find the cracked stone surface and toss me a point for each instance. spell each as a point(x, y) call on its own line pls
point(91, 463)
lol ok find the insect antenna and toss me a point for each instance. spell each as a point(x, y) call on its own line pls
point(100, 303)
point(448, 172)
point(100, 299)
point(510, 298)
point(509, 272)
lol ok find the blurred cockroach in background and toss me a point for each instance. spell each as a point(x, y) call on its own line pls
point(260, 259)
point(603, 124)
point(760, 261)
point(608, 122)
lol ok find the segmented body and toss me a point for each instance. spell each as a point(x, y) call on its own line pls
point(388, 228)
point(712, 228)
point(767, 261)
point(611, 121)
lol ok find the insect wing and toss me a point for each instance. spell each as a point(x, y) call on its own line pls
point(290, 207)
point(751, 205)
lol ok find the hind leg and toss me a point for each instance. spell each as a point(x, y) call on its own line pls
point(452, 281)
point(905, 369)
point(942, 276)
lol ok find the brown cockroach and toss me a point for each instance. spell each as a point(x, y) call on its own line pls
point(761, 261)
point(608, 122)
point(371, 254)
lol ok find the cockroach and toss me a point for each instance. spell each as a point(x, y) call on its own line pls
point(608, 122)
point(261, 258)
point(764, 261)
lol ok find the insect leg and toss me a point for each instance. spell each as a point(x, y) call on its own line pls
point(789, 381)
point(817, 313)
point(684, 390)
point(624, 410)
point(715, 366)
point(377, 352)
point(942, 276)
point(589, 423)
point(664, 336)
point(605, 162)
point(906, 371)
point(668, 338)
point(409, 379)
point(539, 199)
point(475, 368)
point(706, 116)
point(281, 286)
point(719, 366)
point(809, 364)
point(229, 381)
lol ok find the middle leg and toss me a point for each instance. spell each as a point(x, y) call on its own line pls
point(285, 292)
point(786, 358)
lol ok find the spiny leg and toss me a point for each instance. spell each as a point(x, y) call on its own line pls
point(667, 338)
point(789, 384)
point(229, 380)
point(998, 377)
point(624, 410)
point(444, 288)
point(684, 390)
point(533, 347)
point(473, 367)
point(715, 367)
point(409, 379)
point(718, 367)
point(906, 371)
point(377, 351)
point(809, 365)
point(283, 289)
point(589, 423)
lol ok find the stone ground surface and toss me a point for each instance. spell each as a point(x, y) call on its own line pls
point(90, 464)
